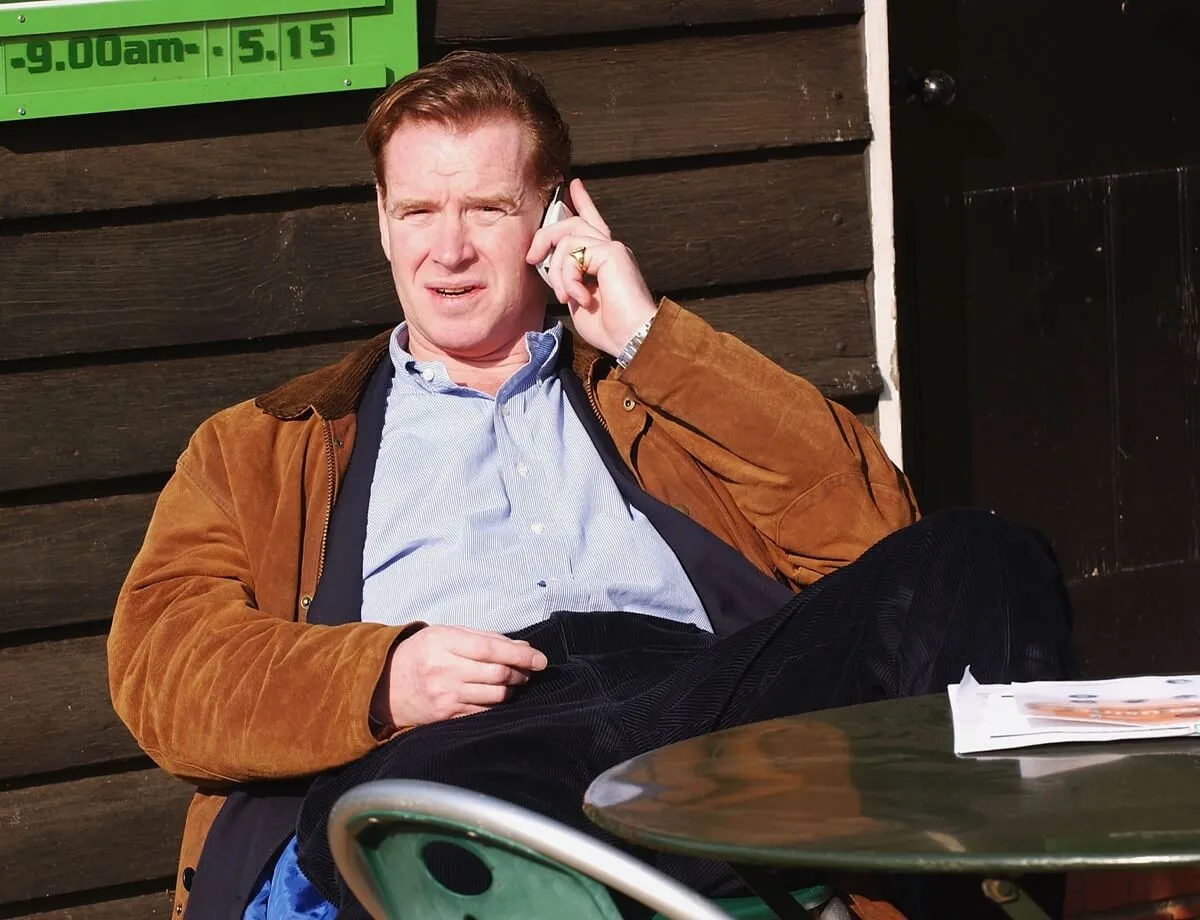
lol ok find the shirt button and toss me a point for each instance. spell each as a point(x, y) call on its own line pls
point(427, 374)
point(541, 584)
point(522, 469)
point(537, 526)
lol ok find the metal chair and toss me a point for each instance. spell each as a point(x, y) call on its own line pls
point(539, 869)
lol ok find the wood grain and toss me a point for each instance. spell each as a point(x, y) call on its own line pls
point(468, 20)
point(691, 96)
point(697, 95)
point(90, 833)
point(155, 906)
point(134, 419)
point(55, 709)
point(63, 563)
point(320, 268)
point(129, 419)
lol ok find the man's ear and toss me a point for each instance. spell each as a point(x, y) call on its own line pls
point(385, 231)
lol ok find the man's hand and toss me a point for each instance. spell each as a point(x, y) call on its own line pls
point(447, 671)
point(607, 295)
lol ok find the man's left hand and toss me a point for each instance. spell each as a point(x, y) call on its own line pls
point(601, 285)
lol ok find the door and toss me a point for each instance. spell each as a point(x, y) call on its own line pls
point(1047, 175)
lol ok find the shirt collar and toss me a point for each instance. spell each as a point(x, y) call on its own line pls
point(543, 348)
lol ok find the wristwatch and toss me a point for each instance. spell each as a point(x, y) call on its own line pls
point(634, 343)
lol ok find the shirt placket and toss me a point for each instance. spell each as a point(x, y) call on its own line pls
point(535, 525)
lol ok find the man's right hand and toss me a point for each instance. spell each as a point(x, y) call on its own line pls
point(446, 671)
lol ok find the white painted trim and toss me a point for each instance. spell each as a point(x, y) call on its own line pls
point(879, 173)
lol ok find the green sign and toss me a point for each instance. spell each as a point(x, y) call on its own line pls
point(67, 58)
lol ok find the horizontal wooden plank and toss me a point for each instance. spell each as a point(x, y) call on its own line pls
point(633, 102)
point(710, 95)
point(469, 20)
point(55, 708)
point(157, 906)
point(796, 326)
point(257, 275)
point(63, 563)
point(129, 419)
point(237, 276)
point(134, 419)
point(46, 177)
point(823, 332)
point(90, 833)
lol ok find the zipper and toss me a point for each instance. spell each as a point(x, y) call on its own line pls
point(590, 388)
point(331, 469)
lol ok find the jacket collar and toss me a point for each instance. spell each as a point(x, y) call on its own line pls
point(334, 391)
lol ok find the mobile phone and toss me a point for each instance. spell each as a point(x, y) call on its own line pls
point(557, 209)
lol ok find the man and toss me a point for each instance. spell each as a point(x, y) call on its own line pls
point(340, 561)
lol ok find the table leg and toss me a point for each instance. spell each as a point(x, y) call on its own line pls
point(773, 893)
point(1013, 899)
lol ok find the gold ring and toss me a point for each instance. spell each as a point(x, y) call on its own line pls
point(579, 254)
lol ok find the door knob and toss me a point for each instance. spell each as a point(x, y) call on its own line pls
point(936, 87)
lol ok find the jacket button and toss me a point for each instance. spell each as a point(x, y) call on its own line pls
point(628, 404)
point(188, 874)
point(178, 908)
point(306, 601)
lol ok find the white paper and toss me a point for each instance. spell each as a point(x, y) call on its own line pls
point(994, 717)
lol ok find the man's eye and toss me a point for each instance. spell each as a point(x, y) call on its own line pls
point(414, 212)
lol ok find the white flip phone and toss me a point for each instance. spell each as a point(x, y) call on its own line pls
point(556, 210)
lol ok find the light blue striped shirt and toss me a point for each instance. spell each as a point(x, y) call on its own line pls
point(495, 513)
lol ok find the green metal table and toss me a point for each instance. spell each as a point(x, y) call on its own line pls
point(877, 788)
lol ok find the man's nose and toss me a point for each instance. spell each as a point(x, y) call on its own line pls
point(452, 245)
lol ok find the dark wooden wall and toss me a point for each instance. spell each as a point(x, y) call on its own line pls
point(160, 265)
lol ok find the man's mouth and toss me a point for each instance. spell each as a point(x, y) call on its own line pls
point(456, 291)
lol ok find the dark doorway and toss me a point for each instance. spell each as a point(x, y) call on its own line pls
point(1047, 176)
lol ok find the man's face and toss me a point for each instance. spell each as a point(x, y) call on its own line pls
point(460, 212)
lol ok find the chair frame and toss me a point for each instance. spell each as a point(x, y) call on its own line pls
point(450, 809)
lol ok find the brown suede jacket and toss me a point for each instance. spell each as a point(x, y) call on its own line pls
point(211, 663)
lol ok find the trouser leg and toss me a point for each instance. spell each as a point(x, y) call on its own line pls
point(958, 588)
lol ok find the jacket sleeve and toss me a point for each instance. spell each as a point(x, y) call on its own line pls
point(812, 480)
point(214, 689)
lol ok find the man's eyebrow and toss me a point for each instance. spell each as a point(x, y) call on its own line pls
point(396, 205)
point(500, 200)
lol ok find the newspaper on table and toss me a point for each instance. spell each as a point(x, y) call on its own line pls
point(996, 717)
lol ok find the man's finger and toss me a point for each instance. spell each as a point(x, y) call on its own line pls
point(586, 208)
point(488, 672)
point(482, 694)
point(548, 238)
point(498, 650)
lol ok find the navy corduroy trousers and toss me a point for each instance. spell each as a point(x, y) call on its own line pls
point(955, 589)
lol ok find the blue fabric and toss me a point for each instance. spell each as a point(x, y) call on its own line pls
point(285, 894)
point(496, 512)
